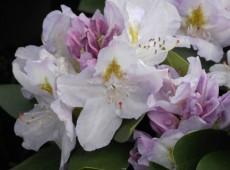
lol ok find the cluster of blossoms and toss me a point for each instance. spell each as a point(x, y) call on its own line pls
point(110, 65)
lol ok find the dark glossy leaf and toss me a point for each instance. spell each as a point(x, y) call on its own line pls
point(47, 158)
point(185, 52)
point(189, 52)
point(12, 101)
point(177, 62)
point(192, 147)
point(91, 6)
point(126, 130)
point(155, 166)
point(219, 160)
point(114, 156)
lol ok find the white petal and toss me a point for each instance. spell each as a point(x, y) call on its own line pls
point(41, 125)
point(75, 90)
point(214, 52)
point(162, 148)
point(195, 67)
point(147, 77)
point(23, 79)
point(55, 26)
point(221, 73)
point(97, 124)
point(135, 105)
point(37, 127)
point(192, 124)
point(29, 52)
point(37, 72)
point(120, 4)
point(155, 50)
point(161, 19)
point(124, 54)
point(64, 114)
point(113, 15)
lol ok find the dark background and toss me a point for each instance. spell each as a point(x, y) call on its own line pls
point(20, 25)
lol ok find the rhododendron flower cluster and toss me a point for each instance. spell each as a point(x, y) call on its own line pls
point(112, 65)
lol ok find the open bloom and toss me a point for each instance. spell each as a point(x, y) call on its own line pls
point(118, 87)
point(50, 120)
point(149, 28)
point(205, 25)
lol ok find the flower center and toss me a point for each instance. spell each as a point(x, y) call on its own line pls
point(46, 86)
point(197, 18)
point(116, 94)
point(113, 68)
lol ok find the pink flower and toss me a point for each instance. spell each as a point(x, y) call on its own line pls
point(87, 36)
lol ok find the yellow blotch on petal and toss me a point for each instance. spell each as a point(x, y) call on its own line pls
point(197, 18)
point(113, 68)
point(134, 34)
point(170, 154)
point(46, 86)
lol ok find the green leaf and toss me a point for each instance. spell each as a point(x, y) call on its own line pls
point(177, 62)
point(155, 166)
point(126, 129)
point(91, 6)
point(188, 52)
point(185, 52)
point(192, 147)
point(114, 156)
point(12, 100)
point(216, 160)
point(47, 158)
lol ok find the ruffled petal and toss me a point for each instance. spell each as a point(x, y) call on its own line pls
point(214, 52)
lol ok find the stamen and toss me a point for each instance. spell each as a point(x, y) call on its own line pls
point(45, 113)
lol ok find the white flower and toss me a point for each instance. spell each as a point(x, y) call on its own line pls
point(205, 24)
point(50, 120)
point(118, 87)
point(149, 28)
